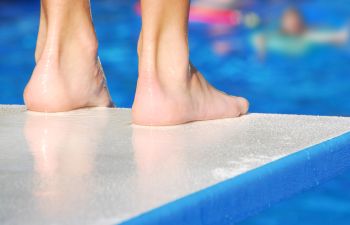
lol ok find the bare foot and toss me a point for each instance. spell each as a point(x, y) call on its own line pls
point(175, 92)
point(169, 89)
point(68, 74)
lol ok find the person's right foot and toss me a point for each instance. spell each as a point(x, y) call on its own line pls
point(68, 74)
point(171, 91)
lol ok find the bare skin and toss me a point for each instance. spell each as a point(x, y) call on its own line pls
point(68, 74)
point(169, 89)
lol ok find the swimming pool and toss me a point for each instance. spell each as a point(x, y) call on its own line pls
point(278, 85)
point(317, 83)
point(325, 205)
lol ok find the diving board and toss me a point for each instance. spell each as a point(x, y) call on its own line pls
point(92, 166)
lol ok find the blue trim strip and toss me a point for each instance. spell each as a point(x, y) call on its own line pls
point(235, 199)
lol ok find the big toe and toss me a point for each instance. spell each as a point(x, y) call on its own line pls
point(243, 105)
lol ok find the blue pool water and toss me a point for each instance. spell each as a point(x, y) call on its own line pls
point(317, 82)
point(327, 204)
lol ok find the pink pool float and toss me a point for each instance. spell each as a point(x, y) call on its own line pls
point(208, 15)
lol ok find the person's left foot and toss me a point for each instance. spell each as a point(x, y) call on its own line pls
point(68, 74)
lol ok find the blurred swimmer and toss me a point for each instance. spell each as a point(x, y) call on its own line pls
point(294, 37)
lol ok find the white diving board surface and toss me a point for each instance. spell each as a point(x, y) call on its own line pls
point(92, 166)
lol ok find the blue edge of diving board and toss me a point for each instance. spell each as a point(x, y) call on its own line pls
point(237, 198)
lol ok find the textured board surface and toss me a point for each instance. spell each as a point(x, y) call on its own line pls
point(93, 166)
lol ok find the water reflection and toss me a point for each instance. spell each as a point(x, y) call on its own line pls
point(160, 156)
point(172, 159)
point(63, 147)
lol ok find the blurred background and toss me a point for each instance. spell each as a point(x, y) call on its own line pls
point(282, 62)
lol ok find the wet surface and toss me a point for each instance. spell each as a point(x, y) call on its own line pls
point(94, 167)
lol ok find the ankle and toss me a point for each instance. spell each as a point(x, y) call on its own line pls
point(164, 55)
point(65, 27)
point(41, 37)
point(68, 44)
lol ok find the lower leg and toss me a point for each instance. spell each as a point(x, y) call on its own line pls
point(68, 74)
point(41, 38)
point(170, 90)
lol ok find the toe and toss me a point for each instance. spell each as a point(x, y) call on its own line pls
point(243, 105)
